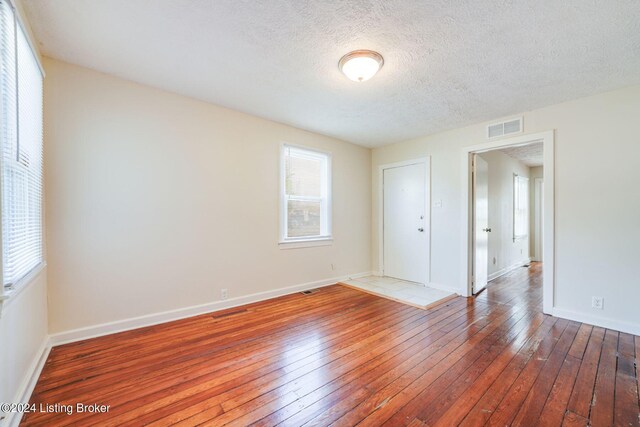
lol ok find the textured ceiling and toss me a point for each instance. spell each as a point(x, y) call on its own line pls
point(530, 155)
point(447, 63)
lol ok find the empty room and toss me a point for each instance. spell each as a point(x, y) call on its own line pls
point(319, 213)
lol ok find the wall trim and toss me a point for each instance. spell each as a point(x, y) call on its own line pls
point(181, 313)
point(603, 322)
point(29, 381)
point(509, 269)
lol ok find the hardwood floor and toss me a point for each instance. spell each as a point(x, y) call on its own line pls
point(343, 357)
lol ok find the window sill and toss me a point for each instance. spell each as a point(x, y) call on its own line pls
point(11, 294)
point(309, 243)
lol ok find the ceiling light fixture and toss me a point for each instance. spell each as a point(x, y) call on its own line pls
point(361, 65)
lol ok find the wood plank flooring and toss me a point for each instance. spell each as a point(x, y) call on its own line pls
point(343, 357)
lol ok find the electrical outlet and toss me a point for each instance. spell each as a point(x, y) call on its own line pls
point(597, 302)
point(333, 266)
point(495, 260)
point(224, 293)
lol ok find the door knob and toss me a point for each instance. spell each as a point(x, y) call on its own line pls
point(421, 229)
point(488, 230)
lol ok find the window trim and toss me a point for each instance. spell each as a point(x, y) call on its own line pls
point(26, 29)
point(285, 242)
point(11, 291)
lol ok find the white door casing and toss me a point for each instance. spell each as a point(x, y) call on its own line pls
point(405, 202)
point(548, 206)
point(538, 224)
point(481, 223)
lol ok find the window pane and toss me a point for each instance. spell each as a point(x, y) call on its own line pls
point(520, 207)
point(21, 152)
point(303, 176)
point(306, 194)
point(303, 218)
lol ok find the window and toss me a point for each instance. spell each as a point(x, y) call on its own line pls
point(306, 195)
point(21, 140)
point(520, 207)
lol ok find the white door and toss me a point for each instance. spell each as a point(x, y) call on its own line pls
point(406, 243)
point(481, 223)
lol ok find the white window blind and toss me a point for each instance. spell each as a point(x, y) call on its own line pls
point(305, 212)
point(520, 207)
point(21, 104)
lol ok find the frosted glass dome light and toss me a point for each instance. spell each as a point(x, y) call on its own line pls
point(361, 65)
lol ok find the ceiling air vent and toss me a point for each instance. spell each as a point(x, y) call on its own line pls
point(509, 127)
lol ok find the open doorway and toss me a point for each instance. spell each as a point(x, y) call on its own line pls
point(504, 210)
point(510, 211)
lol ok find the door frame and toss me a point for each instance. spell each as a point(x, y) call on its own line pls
point(538, 223)
point(548, 253)
point(427, 209)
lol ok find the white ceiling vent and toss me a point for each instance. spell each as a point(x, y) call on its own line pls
point(505, 128)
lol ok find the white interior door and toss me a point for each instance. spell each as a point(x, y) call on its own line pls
point(406, 243)
point(481, 223)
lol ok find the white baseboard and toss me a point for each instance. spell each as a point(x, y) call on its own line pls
point(29, 382)
point(181, 313)
point(445, 288)
point(509, 269)
point(359, 275)
point(604, 322)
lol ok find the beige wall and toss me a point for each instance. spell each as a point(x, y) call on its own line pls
point(23, 332)
point(503, 252)
point(156, 201)
point(597, 204)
